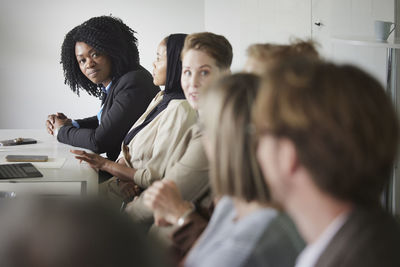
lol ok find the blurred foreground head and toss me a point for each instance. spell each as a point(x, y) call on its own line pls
point(340, 121)
point(60, 232)
point(228, 138)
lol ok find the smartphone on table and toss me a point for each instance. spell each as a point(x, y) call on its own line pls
point(17, 141)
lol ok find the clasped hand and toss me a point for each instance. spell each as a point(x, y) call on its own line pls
point(56, 121)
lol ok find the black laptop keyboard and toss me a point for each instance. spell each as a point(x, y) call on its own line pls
point(24, 170)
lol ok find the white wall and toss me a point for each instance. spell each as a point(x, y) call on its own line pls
point(352, 19)
point(31, 32)
point(257, 21)
point(279, 21)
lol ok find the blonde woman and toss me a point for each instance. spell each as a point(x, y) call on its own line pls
point(245, 229)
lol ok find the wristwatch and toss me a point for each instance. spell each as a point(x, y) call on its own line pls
point(181, 220)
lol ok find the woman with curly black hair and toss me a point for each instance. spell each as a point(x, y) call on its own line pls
point(155, 136)
point(101, 57)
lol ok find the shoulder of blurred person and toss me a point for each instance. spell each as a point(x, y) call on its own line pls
point(231, 237)
point(279, 245)
point(370, 237)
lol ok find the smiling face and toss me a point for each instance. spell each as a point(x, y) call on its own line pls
point(199, 71)
point(93, 64)
point(160, 65)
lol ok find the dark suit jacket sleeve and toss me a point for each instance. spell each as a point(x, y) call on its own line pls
point(91, 122)
point(125, 103)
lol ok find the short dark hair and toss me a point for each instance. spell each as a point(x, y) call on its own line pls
point(340, 120)
point(108, 35)
point(214, 45)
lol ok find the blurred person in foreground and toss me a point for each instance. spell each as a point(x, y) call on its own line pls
point(327, 140)
point(50, 232)
point(244, 229)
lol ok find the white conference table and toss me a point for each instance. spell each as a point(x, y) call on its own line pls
point(62, 174)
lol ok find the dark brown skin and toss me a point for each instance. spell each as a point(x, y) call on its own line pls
point(96, 67)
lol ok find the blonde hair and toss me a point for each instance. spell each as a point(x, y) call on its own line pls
point(226, 108)
point(214, 45)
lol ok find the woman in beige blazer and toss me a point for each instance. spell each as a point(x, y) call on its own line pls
point(205, 58)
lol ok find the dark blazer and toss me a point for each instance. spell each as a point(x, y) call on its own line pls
point(126, 101)
point(368, 238)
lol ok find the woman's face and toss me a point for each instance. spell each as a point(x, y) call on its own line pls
point(199, 71)
point(160, 65)
point(93, 64)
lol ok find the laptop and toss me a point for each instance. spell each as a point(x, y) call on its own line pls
point(19, 170)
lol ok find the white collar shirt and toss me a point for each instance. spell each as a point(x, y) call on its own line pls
point(309, 256)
